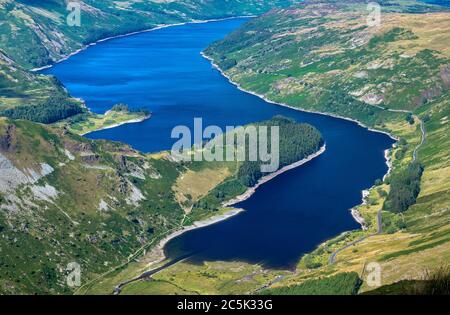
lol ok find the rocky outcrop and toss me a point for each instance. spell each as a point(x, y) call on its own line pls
point(428, 94)
point(435, 91)
point(10, 176)
point(5, 58)
point(91, 159)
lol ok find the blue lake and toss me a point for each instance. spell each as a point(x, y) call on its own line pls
point(164, 72)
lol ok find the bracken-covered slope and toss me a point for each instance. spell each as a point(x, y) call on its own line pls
point(322, 56)
point(312, 55)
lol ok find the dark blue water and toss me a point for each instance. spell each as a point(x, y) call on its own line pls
point(164, 71)
point(445, 3)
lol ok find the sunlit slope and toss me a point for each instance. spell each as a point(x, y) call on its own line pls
point(289, 56)
point(19, 87)
point(67, 199)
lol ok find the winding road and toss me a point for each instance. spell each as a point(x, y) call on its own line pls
point(148, 274)
point(424, 138)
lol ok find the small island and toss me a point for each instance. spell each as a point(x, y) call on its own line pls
point(119, 114)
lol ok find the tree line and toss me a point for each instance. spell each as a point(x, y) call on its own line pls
point(297, 141)
point(50, 111)
point(405, 188)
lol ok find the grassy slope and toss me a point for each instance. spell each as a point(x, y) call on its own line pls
point(219, 182)
point(110, 201)
point(302, 57)
point(340, 284)
point(36, 33)
point(427, 245)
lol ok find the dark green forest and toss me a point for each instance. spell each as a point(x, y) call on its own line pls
point(121, 107)
point(297, 141)
point(405, 187)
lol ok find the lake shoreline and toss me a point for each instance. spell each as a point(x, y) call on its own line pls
point(155, 28)
point(157, 255)
point(250, 191)
point(158, 27)
point(131, 121)
point(355, 213)
point(263, 97)
point(234, 212)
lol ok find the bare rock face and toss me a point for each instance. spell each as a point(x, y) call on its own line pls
point(7, 139)
point(5, 58)
point(445, 75)
point(91, 159)
point(10, 176)
point(123, 163)
point(82, 148)
point(122, 186)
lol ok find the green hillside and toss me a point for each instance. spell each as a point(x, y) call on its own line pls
point(35, 33)
point(64, 198)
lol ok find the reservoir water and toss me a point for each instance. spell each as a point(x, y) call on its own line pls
point(164, 72)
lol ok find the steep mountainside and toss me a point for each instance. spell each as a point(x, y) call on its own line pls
point(101, 204)
point(315, 54)
point(68, 199)
point(323, 56)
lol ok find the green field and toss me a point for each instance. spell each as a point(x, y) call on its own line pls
point(87, 122)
